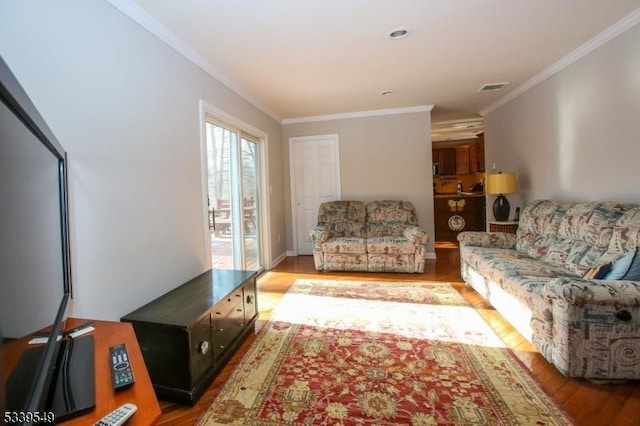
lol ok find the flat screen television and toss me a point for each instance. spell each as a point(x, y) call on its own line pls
point(35, 270)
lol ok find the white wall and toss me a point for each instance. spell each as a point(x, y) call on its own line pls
point(125, 107)
point(381, 157)
point(575, 136)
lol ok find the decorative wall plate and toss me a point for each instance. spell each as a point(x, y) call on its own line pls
point(456, 223)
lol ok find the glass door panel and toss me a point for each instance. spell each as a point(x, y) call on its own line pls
point(219, 142)
point(249, 161)
point(233, 183)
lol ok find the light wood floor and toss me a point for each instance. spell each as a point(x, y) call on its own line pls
point(588, 403)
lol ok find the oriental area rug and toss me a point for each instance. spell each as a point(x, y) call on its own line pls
point(379, 353)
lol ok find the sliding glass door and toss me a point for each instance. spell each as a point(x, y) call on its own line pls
point(233, 197)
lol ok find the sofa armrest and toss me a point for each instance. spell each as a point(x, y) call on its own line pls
point(579, 292)
point(594, 327)
point(487, 239)
point(416, 235)
point(319, 235)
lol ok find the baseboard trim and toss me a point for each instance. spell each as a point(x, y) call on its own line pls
point(278, 259)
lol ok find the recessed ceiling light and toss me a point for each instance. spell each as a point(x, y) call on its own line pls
point(386, 92)
point(399, 33)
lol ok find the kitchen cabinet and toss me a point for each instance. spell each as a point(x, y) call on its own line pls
point(480, 152)
point(459, 157)
point(463, 162)
point(445, 158)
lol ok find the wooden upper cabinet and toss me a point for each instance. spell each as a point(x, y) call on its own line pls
point(463, 162)
point(459, 158)
point(480, 149)
point(446, 159)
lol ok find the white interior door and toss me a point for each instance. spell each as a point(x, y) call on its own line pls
point(315, 177)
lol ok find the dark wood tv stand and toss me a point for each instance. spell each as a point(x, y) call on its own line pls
point(106, 334)
point(188, 334)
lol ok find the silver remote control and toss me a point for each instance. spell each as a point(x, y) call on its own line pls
point(118, 416)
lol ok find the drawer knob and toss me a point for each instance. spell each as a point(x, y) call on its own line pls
point(221, 330)
point(239, 310)
point(249, 299)
point(221, 346)
point(203, 347)
point(218, 313)
point(238, 295)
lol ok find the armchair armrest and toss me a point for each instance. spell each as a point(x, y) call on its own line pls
point(579, 292)
point(487, 239)
point(416, 235)
point(319, 235)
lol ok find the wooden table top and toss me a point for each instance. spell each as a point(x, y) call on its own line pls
point(106, 334)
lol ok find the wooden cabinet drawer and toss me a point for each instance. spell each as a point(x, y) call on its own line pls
point(227, 325)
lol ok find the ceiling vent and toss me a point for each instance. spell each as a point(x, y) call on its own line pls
point(398, 33)
point(492, 87)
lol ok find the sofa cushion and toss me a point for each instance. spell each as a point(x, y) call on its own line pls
point(575, 236)
point(389, 217)
point(591, 222)
point(390, 244)
point(346, 262)
point(503, 265)
point(538, 227)
point(542, 217)
point(587, 228)
point(342, 218)
point(397, 262)
point(624, 238)
point(345, 245)
point(581, 256)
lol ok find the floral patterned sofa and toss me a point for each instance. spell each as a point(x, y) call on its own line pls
point(569, 281)
point(380, 236)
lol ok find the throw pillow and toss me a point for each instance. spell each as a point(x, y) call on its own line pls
point(597, 272)
point(626, 268)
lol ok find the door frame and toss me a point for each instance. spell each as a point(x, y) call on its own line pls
point(293, 187)
point(206, 109)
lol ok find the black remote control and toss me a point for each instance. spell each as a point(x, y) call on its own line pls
point(120, 367)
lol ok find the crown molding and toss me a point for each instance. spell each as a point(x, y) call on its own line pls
point(148, 22)
point(604, 37)
point(358, 114)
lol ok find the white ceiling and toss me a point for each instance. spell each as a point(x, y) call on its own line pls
point(302, 58)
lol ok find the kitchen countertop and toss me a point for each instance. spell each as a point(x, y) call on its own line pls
point(458, 194)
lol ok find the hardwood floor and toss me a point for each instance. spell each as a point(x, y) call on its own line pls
point(588, 403)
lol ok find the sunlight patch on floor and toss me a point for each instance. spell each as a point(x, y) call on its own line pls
point(412, 320)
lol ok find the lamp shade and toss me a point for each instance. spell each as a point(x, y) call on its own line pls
point(502, 183)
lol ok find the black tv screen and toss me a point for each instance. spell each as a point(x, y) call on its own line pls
point(35, 278)
point(30, 232)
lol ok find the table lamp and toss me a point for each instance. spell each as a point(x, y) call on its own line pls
point(500, 184)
